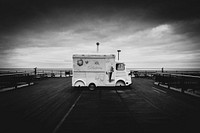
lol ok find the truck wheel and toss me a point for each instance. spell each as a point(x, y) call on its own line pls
point(120, 83)
point(92, 87)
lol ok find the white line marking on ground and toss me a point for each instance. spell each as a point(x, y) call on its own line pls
point(12, 88)
point(156, 91)
point(63, 119)
point(159, 90)
point(177, 89)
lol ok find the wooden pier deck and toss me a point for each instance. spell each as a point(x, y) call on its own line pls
point(53, 106)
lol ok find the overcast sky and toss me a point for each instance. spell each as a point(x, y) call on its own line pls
point(150, 33)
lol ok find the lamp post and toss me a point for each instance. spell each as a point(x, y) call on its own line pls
point(118, 53)
point(97, 47)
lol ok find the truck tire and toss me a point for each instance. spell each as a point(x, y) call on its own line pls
point(92, 87)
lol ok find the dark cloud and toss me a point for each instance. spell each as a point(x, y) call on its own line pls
point(18, 12)
point(189, 28)
point(24, 14)
point(30, 18)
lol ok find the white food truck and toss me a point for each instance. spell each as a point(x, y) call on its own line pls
point(93, 70)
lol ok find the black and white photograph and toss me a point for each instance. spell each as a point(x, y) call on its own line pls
point(99, 66)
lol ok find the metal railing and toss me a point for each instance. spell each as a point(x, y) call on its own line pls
point(13, 80)
point(179, 81)
point(52, 74)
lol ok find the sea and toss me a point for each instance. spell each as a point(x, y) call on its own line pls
point(59, 71)
point(183, 71)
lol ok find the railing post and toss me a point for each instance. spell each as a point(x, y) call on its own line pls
point(35, 72)
point(182, 85)
point(158, 78)
point(169, 81)
point(60, 74)
point(15, 82)
point(29, 79)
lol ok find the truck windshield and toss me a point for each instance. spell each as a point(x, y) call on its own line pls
point(120, 66)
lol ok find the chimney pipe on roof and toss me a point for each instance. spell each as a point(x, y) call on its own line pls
point(97, 47)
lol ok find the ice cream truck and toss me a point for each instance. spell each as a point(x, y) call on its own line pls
point(94, 70)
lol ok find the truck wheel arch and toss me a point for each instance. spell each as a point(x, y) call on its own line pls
point(79, 83)
point(120, 83)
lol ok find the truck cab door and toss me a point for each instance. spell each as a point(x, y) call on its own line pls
point(121, 73)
